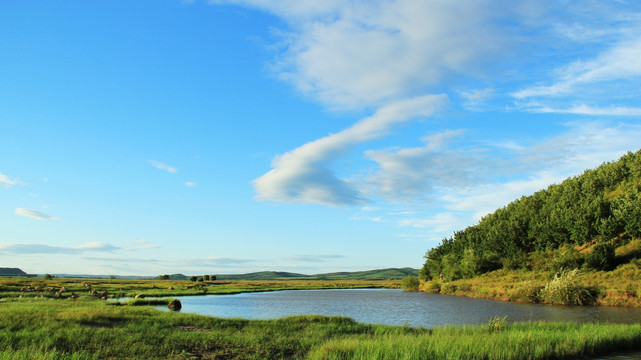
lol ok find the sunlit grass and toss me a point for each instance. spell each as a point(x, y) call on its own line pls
point(92, 329)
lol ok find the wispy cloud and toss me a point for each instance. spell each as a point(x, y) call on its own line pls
point(303, 175)
point(5, 181)
point(441, 222)
point(161, 166)
point(34, 214)
point(617, 63)
point(190, 184)
point(49, 249)
point(356, 54)
point(409, 174)
point(518, 170)
point(583, 109)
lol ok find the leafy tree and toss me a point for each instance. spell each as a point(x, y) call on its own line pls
point(48, 277)
point(206, 277)
point(193, 278)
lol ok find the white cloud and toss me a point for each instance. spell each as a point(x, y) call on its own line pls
point(582, 109)
point(161, 166)
point(616, 63)
point(350, 54)
point(303, 175)
point(440, 223)
point(48, 249)
point(409, 174)
point(34, 214)
point(190, 184)
point(5, 181)
point(512, 171)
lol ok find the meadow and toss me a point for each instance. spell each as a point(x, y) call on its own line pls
point(35, 326)
point(117, 288)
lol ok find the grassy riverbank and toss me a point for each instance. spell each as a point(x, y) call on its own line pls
point(92, 329)
point(115, 288)
point(619, 287)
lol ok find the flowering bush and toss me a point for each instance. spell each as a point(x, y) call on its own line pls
point(565, 289)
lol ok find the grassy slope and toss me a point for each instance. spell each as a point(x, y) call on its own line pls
point(619, 287)
point(92, 329)
point(379, 274)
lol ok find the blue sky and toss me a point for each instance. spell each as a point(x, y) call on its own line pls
point(153, 137)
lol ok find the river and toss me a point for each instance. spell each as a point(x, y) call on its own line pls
point(394, 307)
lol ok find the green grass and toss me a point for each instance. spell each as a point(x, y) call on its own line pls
point(516, 341)
point(92, 329)
point(116, 288)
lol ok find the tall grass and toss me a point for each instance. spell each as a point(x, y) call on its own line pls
point(517, 341)
point(91, 329)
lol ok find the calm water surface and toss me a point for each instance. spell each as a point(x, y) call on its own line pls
point(393, 307)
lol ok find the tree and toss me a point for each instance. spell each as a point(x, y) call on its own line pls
point(193, 278)
point(206, 277)
point(48, 276)
point(212, 277)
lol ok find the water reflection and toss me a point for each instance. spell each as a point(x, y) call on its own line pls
point(394, 307)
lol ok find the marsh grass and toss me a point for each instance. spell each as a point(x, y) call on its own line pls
point(87, 328)
point(516, 341)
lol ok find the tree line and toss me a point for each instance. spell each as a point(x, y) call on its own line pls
point(600, 208)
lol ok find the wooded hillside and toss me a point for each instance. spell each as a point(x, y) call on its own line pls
point(577, 223)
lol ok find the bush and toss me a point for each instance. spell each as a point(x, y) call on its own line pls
point(174, 304)
point(601, 257)
point(565, 289)
point(565, 258)
point(448, 288)
point(517, 261)
point(432, 287)
point(410, 283)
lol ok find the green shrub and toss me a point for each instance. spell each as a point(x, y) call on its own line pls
point(565, 289)
point(410, 283)
point(601, 257)
point(433, 287)
point(566, 257)
point(174, 304)
point(448, 288)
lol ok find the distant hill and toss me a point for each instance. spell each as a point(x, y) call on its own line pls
point(12, 272)
point(380, 274)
